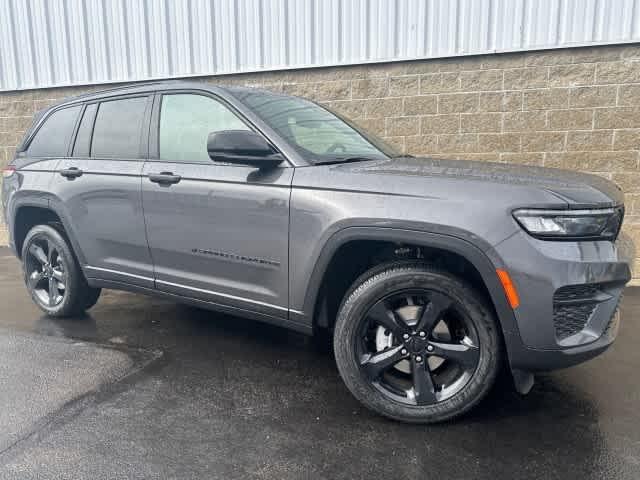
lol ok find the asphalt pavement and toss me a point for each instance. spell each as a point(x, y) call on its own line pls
point(146, 388)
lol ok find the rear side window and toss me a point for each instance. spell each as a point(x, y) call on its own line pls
point(116, 133)
point(53, 137)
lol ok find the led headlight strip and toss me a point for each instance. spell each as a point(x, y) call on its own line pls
point(594, 224)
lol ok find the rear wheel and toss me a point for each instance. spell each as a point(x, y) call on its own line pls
point(415, 343)
point(52, 274)
point(93, 294)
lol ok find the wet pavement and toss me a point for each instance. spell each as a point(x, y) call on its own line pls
point(146, 388)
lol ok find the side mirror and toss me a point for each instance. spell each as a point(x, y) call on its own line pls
point(243, 147)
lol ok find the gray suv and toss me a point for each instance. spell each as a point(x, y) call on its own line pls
point(431, 275)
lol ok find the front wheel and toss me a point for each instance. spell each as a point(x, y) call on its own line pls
point(415, 343)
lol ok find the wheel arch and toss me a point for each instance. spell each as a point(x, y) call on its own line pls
point(468, 251)
point(29, 211)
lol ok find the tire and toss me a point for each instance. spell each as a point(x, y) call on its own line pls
point(415, 343)
point(92, 297)
point(52, 274)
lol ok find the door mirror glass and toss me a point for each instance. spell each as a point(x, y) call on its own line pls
point(242, 147)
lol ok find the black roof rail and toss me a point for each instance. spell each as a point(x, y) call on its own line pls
point(121, 87)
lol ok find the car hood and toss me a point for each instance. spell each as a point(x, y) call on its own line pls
point(578, 190)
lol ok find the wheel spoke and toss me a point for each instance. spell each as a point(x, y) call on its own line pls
point(388, 318)
point(58, 275)
point(34, 279)
point(38, 253)
point(423, 388)
point(50, 251)
point(432, 312)
point(53, 291)
point(376, 364)
point(465, 355)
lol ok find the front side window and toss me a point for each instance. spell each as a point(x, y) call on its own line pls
point(318, 134)
point(118, 124)
point(186, 120)
point(53, 137)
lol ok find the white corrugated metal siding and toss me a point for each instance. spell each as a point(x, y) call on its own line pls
point(46, 43)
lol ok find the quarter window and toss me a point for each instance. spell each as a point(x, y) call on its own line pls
point(53, 137)
point(117, 129)
point(186, 120)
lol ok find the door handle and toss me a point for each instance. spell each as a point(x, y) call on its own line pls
point(164, 178)
point(71, 172)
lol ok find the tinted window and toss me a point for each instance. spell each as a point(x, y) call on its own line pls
point(117, 129)
point(185, 123)
point(83, 138)
point(52, 138)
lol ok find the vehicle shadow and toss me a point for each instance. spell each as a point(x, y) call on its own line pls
point(254, 378)
point(551, 396)
point(506, 432)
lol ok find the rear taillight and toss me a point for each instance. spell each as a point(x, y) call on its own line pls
point(8, 171)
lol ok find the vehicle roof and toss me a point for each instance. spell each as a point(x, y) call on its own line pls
point(150, 87)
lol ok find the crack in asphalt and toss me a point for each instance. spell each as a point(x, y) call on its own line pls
point(141, 360)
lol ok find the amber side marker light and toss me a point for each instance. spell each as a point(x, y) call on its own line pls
point(509, 288)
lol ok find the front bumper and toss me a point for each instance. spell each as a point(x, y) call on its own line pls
point(542, 271)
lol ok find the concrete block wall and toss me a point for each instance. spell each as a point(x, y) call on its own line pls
point(573, 108)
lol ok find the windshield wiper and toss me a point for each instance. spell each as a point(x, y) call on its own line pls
point(345, 160)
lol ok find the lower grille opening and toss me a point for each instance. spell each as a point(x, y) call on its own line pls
point(573, 305)
point(571, 319)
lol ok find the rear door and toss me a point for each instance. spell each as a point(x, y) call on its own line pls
point(98, 188)
point(217, 232)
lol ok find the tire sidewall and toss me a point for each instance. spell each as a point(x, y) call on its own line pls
point(385, 281)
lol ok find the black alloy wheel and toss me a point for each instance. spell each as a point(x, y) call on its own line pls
point(416, 343)
point(417, 347)
point(46, 272)
point(52, 274)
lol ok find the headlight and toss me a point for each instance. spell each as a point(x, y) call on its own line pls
point(600, 224)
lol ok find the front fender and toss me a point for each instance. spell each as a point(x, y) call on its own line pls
point(471, 252)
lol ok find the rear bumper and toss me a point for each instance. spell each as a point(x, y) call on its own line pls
point(555, 330)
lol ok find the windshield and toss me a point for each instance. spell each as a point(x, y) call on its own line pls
point(319, 135)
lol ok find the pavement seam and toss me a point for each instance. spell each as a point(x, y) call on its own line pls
point(141, 358)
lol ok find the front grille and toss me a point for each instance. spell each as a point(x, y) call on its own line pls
point(573, 305)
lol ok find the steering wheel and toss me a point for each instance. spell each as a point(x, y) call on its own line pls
point(336, 146)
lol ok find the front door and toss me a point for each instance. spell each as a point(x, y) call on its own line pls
point(217, 232)
point(98, 188)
